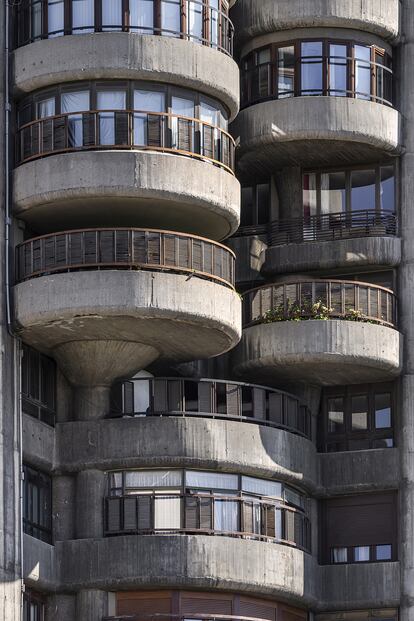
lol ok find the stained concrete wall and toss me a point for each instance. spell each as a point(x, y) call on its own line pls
point(250, 253)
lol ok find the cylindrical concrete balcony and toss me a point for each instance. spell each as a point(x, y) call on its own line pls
point(315, 131)
point(331, 241)
point(252, 19)
point(124, 298)
point(324, 332)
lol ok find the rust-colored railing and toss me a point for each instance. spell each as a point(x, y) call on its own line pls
point(320, 299)
point(207, 514)
point(333, 226)
point(125, 129)
point(208, 398)
point(123, 248)
point(199, 22)
point(188, 617)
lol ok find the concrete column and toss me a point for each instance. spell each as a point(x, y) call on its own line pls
point(90, 492)
point(91, 605)
point(406, 300)
point(63, 507)
point(91, 402)
point(61, 608)
point(289, 188)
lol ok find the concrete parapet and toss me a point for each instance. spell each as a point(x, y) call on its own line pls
point(38, 443)
point(250, 254)
point(40, 569)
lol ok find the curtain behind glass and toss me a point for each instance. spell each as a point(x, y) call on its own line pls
point(182, 107)
point(77, 101)
point(141, 16)
point(111, 15)
point(150, 101)
point(109, 100)
point(226, 515)
point(55, 18)
point(195, 20)
point(170, 17)
point(83, 16)
point(211, 480)
point(153, 478)
point(45, 108)
point(36, 20)
point(260, 486)
point(167, 512)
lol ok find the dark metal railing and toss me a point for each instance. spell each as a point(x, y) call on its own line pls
point(207, 514)
point(320, 299)
point(205, 398)
point(174, 617)
point(199, 22)
point(333, 226)
point(124, 249)
point(125, 129)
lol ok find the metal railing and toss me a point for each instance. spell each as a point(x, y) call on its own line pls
point(205, 398)
point(125, 129)
point(123, 248)
point(333, 226)
point(198, 22)
point(320, 299)
point(207, 514)
point(154, 616)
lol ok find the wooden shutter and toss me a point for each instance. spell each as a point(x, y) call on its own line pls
point(90, 247)
point(139, 247)
point(153, 248)
point(289, 525)
point(208, 141)
point(89, 129)
point(169, 243)
point(175, 397)
point(185, 135)
point(160, 395)
point(192, 520)
point(247, 516)
point(113, 514)
point(130, 513)
point(59, 133)
point(204, 397)
point(75, 250)
point(49, 252)
point(47, 136)
point(106, 246)
point(142, 604)
point(122, 135)
point(206, 513)
point(255, 608)
point(144, 512)
point(121, 244)
point(154, 131)
point(268, 521)
point(207, 604)
point(233, 400)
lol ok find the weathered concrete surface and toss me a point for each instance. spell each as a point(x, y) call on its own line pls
point(181, 317)
point(143, 188)
point(187, 442)
point(61, 607)
point(250, 254)
point(38, 443)
point(339, 253)
point(39, 567)
point(128, 56)
point(252, 18)
point(191, 562)
point(316, 131)
point(371, 585)
point(322, 352)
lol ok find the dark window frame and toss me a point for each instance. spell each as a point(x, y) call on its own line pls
point(38, 601)
point(36, 363)
point(37, 516)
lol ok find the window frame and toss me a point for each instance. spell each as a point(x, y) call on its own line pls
point(32, 524)
point(29, 354)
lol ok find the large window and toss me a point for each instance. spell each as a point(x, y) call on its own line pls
point(255, 205)
point(358, 417)
point(37, 504)
point(38, 385)
point(359, 529)
point(317, 67)
point(34, 606)
point(207, 502)
point(202, 21)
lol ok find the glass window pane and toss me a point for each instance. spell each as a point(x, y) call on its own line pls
point(36, 19)
point(167, 512)
point(141, 16)
point(383, 552)
point(294, 498)
point(271, 489)
point(77, 101)
point(311, 68)
point(339, 555)
point(211, 480)
point(55, 17)
point(153, 478)
point(362, 72)
point(383, 411)
point(361, 554)
point(336, 415)
point(46, 108)
point(170, 17)
point(286, 71)
point(310, 207)
point(109, 100)
point(263, 203)
point(363, 190)
point(195, 20)
point(191, 396)
point(83, 12)
point(141, 395)
point(333, 193)
point(359, 412)
point(226, 515)
point(111, 14)
point(247, 207)
point(338, 70)
point(149, 101)
point(387, 188)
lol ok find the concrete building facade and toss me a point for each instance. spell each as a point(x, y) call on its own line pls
point(206, 390)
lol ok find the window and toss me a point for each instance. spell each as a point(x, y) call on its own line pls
point(38, 385)
point(37, 504)
point(359, 529)
point(34, 606)
point(255, 205)
point(358, 417)
point(312, 68)
point(384, 614)
point(83, 16)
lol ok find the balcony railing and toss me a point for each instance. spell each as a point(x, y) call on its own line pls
point(211, 399)
point(125, 129)
point(188, 617)
point(125, 249)
point(206, 514)
point(320, 299)
point(333, 226)
point(192, 20)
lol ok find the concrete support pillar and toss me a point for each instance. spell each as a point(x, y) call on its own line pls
point(91, 402)
point(61, 608)
point(289, 188)
point(90, 492)
point(91, 605)
point(63, 509)
point(406, 299)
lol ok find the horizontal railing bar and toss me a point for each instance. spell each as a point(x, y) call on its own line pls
point(192, 616)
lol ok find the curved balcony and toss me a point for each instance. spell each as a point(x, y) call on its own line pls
point(329, 241)
point(315, 131)
point(251, 19)
point(215, 399)
point(166, 294)
point(329, 332)
point(207, 514)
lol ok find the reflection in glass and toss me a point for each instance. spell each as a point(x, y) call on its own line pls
point(382, 411)
point(339, 555)
point(83, 16)
point(383, 552)
point(333, 192)
point(362, 72)
point(195, 20)
point(246, 212)
point(359, 412)
point(361, 554)
point(311, 68)
point(141, 16)
point(338, 70)
point(362, 190)
point(387, 190)
point(335, 415)
point(36, 20)
point(170, 17)
point(55, 17)
point(286, 71)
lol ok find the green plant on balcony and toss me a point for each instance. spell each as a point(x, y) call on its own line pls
point(293, 311)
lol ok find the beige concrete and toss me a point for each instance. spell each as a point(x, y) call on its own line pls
point(315, 131)
point(128, 56)
point(180, 317)
point(252, 18)
point(127, 188)
point(319, 352)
